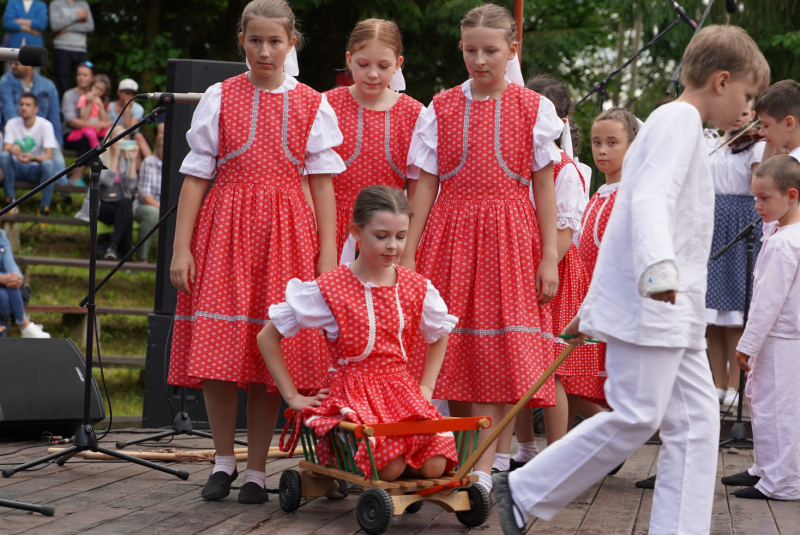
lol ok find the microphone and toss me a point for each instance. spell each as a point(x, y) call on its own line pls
point(731, 6)
point(32, 56)
point(172, 98)
point(682, 14)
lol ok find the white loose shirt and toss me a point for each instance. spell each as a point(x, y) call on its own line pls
point(422, 152)
point(664, 211)
point(203, 136)
point(795, 154)
point(305, 308)
point(775, 308)
point(33, 140)
point(733, 173)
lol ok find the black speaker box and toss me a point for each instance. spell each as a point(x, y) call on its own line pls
point(42, 388)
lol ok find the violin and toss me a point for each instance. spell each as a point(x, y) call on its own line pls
point(745, 137)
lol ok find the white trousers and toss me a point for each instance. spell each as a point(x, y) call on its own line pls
point(773, 393)
point(650, 388)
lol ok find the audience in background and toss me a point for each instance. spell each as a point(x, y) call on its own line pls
point(71, 20)
point(126, 90)
point(92, 109)
point(28, 147)
point(24, 22)
point(148, 200)
point(117, 184)
point(12, 307)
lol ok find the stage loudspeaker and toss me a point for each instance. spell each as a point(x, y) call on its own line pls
point(42, 388)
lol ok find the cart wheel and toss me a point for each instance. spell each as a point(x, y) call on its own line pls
point(341, 492)
point(290, 490)
point(375, 510)
point(415, 507)
point(479, 507)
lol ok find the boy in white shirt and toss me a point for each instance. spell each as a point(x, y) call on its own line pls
point(28, 146)
point(778, 109)
point(650, 307)
point(769, 349)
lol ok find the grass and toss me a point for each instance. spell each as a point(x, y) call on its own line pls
point(126, 389)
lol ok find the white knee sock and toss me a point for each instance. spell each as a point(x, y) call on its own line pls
point(502, 462)
point(259, 478)
point(526, 452)
point(224, 463)
point(484, 479)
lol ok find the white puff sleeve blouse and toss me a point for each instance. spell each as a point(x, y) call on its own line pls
point(305, 308)
point(424, 143)
point(203, 136)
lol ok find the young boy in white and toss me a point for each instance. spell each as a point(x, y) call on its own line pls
point(770, 346)
point(778, 110)
point(650, 307)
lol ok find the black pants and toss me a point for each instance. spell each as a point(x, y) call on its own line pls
point(119, 214)
point(66, 65)
point(82, 145)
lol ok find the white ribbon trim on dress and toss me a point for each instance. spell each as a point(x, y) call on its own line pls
point(290, 64)
point(566, 139)
point(514, 72)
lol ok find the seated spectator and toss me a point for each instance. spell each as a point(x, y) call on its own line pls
point(118, 182)
point(148, 200)
point(126, 90)
point(21, 79)
point(24, 22)
point(72, 119)
point(12, 307)
point(92, 109)
point(28, 148)
point(71, 20)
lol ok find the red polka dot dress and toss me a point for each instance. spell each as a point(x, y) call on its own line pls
point(595, 219)
point(254, 233)
point(481, 248)
point(573, 283)
point(369, 328)
point(375, 150)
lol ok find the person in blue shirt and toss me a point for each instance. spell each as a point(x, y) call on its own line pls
point(21, 79)
point(24, 26)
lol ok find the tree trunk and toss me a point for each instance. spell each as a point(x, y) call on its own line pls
point(637, 43)
point(620, 56)
point(152, 27)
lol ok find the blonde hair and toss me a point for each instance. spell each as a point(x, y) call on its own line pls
point(491, 16)
point(784, 170)
point(271, 9)
point(384, 32)
point(723, 48)
point(625, 118)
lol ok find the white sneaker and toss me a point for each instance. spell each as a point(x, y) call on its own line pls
point(721, 394)
point(34, 330)
point(730, 397)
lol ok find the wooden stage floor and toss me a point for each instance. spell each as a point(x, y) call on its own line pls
point(102, 497)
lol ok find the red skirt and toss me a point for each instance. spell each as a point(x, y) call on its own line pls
point(249, 241)
point(344, 216)
point(591, 388)
point(371, 398)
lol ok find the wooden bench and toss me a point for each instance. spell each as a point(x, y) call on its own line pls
point(131, 265)
point(68, 188)
point(131, 363)
point(10, 223)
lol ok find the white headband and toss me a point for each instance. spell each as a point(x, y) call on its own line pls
point(514, 72)
point(566, 139)
point(290, 64)
point(398, 82)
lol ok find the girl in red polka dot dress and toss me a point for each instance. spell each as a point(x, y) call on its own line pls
point(486, 144)
point(376, 121)
point(369, 308)
point(236, 249)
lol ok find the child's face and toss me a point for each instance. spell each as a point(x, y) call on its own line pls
point(777, 133)
point(771, 204)
point(373, 67)
point(486, 54)
point(609, 145)
point(99, 89)
point(266, 45)
point(744, 118)
point(382, 241)
point(733, 97)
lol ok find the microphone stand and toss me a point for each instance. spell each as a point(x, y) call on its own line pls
point(85, 439)
point(674, 86)
point(738, 434)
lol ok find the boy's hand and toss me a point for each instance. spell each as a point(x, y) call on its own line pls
point(299, 402)
point(573, 329)
point(743, 361)
point(666, 297)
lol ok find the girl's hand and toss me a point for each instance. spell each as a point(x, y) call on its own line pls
point(743, 361)
point(666, 297)
point(182, 271)
point(547, 280)
point(573, 329)
point(427, 392)
point(298, 402)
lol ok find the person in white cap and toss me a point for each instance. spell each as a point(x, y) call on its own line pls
point(126, 90)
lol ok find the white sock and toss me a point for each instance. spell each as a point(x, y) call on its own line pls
point(502, 462)
point(526, 452)
point(259, 478)
point(484, 479)
point(224, 463)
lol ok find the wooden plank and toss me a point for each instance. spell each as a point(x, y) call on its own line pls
point(352, 478)
point(311, 517)
point(78, 262)
point(129, 523)
point(786, 515)
point(133, 363)
point(74, 309)
point(69, 188)
point(751, 517)
point(52, 220)
point(570, 518)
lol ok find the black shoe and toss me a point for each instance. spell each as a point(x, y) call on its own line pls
point(505, 504)
point(617, 469)
point(742, 479)
point(649, 483)
point(252, 493)
point(43, 210)
point(751, 493)
point(112, 254)
point(513, 465)
point(497, 471)
point(218, 485)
